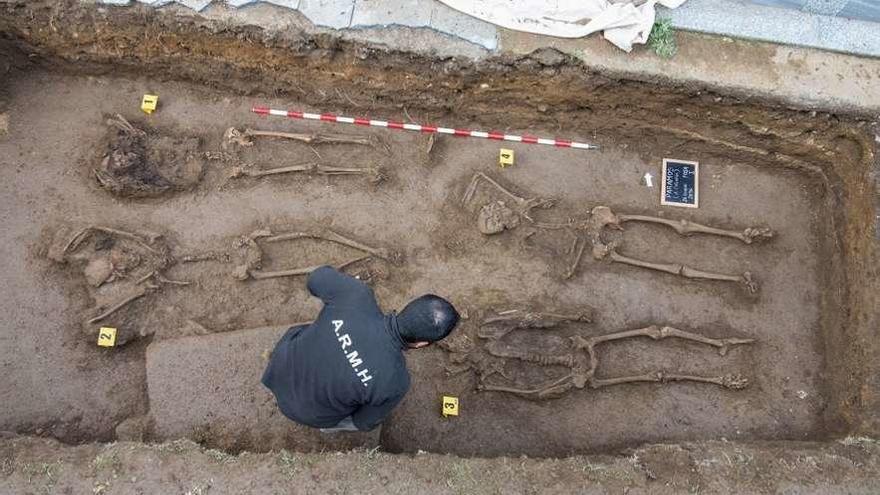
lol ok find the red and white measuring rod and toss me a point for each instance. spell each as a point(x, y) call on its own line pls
point(498, 136)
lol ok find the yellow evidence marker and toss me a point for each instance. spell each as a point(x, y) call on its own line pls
point(505, 157)
point(149, 103)
point(450, 406)
point(107, 337)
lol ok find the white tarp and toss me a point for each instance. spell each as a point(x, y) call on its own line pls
point(624, 22)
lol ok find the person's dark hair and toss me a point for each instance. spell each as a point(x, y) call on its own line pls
point(428, 318)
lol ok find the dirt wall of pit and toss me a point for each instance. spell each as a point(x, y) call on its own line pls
point(838, 151)
point(32, 465)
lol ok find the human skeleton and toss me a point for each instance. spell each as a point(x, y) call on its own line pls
point(498, 216)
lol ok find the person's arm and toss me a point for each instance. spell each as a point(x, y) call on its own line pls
point(327, 283)
point(369, 416)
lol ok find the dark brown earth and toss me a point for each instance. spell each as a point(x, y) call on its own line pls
point(143, 162)
point(480, 274)
point(33, 465)
point(807, 175)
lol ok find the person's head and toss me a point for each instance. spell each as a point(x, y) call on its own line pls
point(426, 319)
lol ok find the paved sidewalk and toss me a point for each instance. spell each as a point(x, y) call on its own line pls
point(792, 75)
point(748, 20)
point(801, 77)
point(811, 27)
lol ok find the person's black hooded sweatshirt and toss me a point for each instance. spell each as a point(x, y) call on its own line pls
point(349, 362)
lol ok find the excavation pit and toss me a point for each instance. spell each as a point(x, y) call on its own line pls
point(806, 176)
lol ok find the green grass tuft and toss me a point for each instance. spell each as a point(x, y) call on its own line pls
point(662, 38)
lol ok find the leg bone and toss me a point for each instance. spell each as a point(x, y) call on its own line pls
point(524, 206)
point(553, 389)
point(220, 256)
point(141, 292)
point(245, 137)
point(508, 321)
point(156, 276)
point(331, 236)
point(125, 126)
point(262, 275)
point(578, 248)
point(686, 271)
point(81, 235)
point(686, 227)
point(529, 319)
point(731, 381)
point(249, 172)
point(375, 173)
point(534, 357)
point(658, 333)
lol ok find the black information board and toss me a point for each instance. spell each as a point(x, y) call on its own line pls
point(681, 181)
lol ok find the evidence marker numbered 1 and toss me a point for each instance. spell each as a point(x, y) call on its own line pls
point(149, 103)
point(680, 183)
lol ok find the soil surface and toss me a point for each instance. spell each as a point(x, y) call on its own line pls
point(35, 465)
point(808, 176)
point(417, 211)
point(226, 407)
